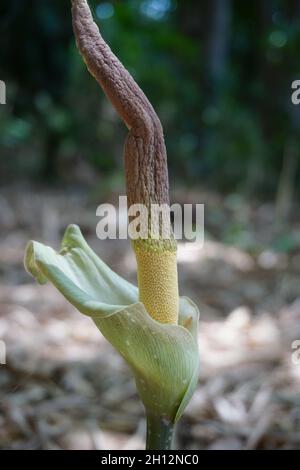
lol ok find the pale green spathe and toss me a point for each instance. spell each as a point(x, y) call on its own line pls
point(164, 358)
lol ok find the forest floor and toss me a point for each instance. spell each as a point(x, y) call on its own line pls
point(64, 387)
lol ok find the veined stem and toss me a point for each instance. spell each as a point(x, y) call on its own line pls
point(160, 433)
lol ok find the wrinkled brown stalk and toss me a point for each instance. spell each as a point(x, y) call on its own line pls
point(145, 151)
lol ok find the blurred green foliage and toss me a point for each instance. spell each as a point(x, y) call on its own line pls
point(218, 72)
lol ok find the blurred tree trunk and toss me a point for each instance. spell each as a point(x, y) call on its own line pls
point(216, 52)
point(216, 62)
point(265, 105)
point(286, 184)
point(290, 157)
point(209, 23)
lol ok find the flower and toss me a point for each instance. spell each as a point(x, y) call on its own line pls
point(163, 357)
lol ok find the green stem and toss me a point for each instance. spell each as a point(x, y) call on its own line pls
point(159, 433)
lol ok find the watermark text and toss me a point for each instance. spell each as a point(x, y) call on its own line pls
point(2, 92)
point(296, 354)
point(2, 353)
point(184, 222)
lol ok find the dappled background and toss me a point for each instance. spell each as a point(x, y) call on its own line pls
point(219, 74)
